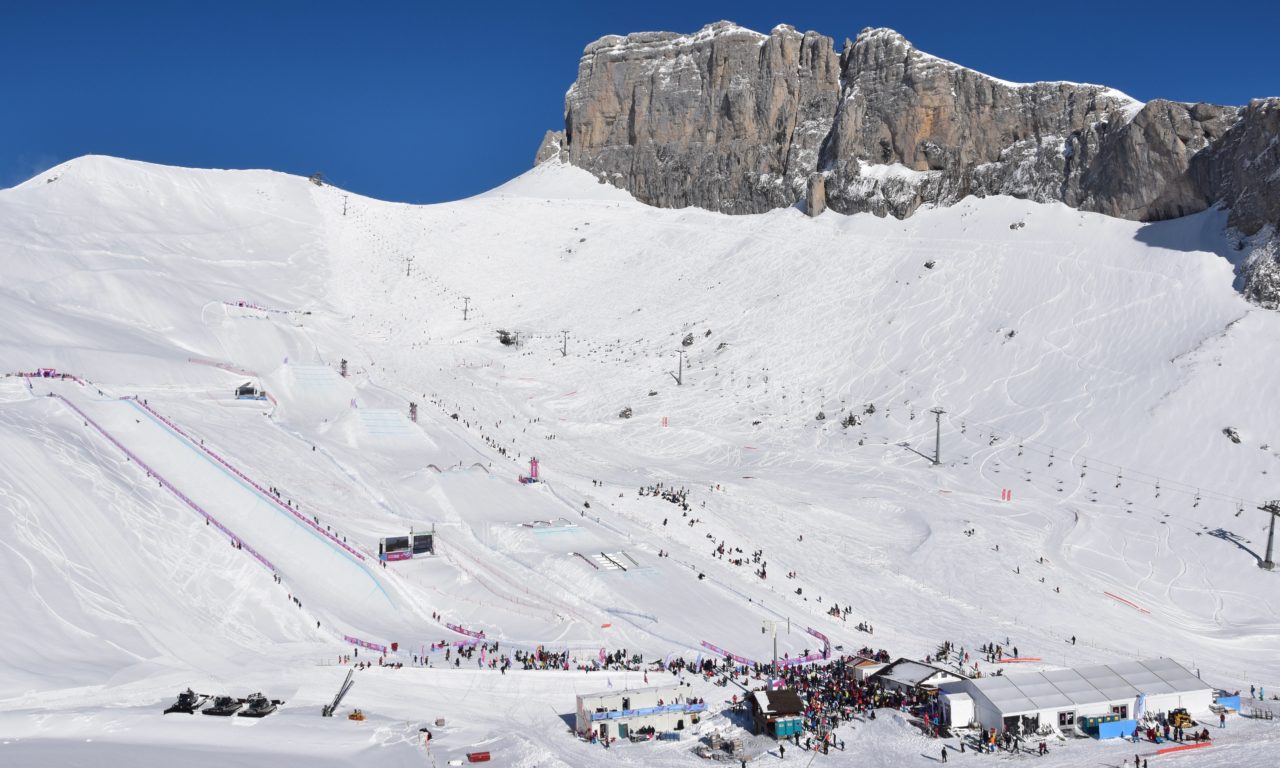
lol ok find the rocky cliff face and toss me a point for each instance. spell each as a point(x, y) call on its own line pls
point(735, 121)
point(1242, 169)
point(726, 119)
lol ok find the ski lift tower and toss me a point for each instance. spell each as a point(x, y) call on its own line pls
point(1272, 507)
point(937, 435)
point(768, 624)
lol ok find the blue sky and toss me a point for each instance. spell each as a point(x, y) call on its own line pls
point(431, 101)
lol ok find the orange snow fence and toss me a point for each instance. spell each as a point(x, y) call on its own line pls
point(1183, 748)
point(1129, 603)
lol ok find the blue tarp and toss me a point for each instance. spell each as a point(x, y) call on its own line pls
point(1231, 702)
point(619, 714)
point(1116, 729)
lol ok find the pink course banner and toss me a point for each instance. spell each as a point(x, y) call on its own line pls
point(464, 631)
point(50, 373)
point(722, 652)
point(791, 662)
point(365, 644)
point(822, 655)
point(394, 556)
point(826, 642)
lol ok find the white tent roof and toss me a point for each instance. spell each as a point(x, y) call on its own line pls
point(911, 673)
point(1032, 691)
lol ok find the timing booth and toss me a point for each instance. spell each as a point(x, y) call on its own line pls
point(407, 547)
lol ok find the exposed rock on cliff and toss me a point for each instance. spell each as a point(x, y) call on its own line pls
point(726, 119)
point(815, 199)
point(735, 121)
point(1242, 169)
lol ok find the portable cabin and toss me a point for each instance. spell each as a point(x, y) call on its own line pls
point(621, 714)
point(247, 391)
point(864, 668)
point(957, 708)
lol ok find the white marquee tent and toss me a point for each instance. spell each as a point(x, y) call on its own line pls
point(1061, 696)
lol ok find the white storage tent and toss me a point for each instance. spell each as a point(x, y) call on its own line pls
point(959, 708)
point(1060, 697)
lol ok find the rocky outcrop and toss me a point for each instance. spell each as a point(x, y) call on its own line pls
point(726, 119)
point(1261, 275)
point(815, 198)
point(1242, 169)
point(735, 121)
point(551, 148)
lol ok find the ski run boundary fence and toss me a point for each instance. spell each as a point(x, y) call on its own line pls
point(168, 485)
point(822, 655)
point(333, 539)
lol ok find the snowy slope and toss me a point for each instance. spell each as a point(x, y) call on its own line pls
point(1087, 364)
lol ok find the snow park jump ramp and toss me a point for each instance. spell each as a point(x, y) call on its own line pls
point(334, 584)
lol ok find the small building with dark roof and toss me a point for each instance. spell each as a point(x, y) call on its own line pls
point(778, 713)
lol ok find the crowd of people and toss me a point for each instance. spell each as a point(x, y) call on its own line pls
point(490, 655)
point(678, 496)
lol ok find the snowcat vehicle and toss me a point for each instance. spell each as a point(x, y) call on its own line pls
point(188, 702)
point(223, 706)
point(259, 706)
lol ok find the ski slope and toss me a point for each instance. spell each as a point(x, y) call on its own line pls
point(1087, 367)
